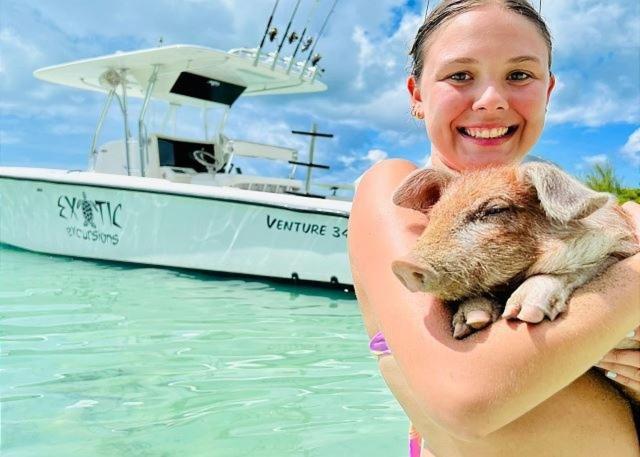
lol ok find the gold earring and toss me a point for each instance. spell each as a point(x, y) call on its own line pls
point(415, 112)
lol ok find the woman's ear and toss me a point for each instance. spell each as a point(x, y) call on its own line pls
point(414, 90)
point(552, 84)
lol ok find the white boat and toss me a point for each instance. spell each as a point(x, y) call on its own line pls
point(158, 199)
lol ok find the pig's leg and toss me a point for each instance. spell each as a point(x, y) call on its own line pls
point(538, 296)
point(474, 314)
point(546, 295)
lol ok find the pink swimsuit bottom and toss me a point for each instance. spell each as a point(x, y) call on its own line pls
point(378, 346)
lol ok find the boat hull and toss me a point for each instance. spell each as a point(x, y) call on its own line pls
point(201, 230)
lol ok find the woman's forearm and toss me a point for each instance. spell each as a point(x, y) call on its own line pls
point(542, 359)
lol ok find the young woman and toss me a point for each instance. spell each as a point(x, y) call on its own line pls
point(481, 82)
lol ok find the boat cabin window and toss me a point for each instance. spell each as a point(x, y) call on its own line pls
point(175, 153)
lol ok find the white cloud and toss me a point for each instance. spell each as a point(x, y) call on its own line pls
point(631, 149)
point(596, 61)
point(376, 155)
point(593, 106)
point(596, 159)
point(347, 161)
point(10, 39)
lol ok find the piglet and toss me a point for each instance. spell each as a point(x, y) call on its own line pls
point(525, 235)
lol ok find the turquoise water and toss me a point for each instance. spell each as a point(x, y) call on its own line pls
point(102, 359)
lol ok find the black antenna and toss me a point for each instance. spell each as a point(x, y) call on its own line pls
point(311, 53)
point(427, 11)
point(266, 31)
point(540, 7)
point(304, 31)
point(284, 36)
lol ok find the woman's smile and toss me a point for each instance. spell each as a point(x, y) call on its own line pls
point(488, 135)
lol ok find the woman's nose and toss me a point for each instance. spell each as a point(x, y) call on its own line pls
point(491, 99)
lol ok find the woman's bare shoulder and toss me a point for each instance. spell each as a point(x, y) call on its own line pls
point(373, 202)
point(386, 172)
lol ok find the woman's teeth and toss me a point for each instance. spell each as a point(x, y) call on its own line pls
point(486, 133)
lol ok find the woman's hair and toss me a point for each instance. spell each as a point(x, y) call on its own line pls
point(448, 9)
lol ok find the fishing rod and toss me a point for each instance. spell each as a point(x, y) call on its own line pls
point(309, 57)
point(266, 31)
point(284, 37)
point(304, 31)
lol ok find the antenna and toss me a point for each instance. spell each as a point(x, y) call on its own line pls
point(540, 7)
point(304, 31)
point(266, 31)
point(317, 39)
point(284, 36)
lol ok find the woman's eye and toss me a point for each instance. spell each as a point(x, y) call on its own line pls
point(460, 77)
point(519, 76)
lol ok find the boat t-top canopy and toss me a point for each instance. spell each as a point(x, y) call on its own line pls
point(187, 75)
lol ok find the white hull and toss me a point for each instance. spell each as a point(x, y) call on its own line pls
point(157, 222)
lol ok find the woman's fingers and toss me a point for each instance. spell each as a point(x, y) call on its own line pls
point(631, 383)
point(623, 366)
point(623, 357)
point(625, 371)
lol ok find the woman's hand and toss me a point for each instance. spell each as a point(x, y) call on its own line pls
point(623, 365)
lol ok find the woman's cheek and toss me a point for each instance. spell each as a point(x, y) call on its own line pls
point(530, 102)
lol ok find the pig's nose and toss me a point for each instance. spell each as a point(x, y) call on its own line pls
point(413, 276)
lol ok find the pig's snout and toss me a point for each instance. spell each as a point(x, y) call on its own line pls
point(413, 276)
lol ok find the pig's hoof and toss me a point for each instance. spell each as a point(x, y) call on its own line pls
point(461, 330)
point(531, 314)
point(474, 314)
point(537, 297)
point(511, 311)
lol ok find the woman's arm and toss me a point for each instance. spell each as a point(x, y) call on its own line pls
point(475, 386)
point(623, 365)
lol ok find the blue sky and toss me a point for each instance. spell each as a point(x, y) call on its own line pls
point(594, 115)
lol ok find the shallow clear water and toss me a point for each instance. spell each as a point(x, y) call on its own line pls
point(103, 359)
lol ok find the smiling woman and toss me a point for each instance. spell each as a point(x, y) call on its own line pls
point(481, 82)
point(507, 89)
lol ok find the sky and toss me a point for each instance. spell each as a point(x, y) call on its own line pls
point(594, 114)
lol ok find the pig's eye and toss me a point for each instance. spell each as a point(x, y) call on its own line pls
point(494, 210)
point(489, 211)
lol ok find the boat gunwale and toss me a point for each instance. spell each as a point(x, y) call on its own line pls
point(284, 205)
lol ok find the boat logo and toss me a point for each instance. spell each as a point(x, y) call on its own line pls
point(91, 220)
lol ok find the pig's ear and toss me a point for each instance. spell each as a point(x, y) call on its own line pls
point(562, 197)
point(421, 189)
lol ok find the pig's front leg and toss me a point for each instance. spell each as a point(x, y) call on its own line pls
point(474, 314)
point(541, 295)
point(547, 294)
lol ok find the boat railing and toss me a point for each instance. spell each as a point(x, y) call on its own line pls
point(283, 63)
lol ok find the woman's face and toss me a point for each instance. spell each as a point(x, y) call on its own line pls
point(484, 88)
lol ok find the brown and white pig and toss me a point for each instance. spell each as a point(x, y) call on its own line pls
point(526, 236)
